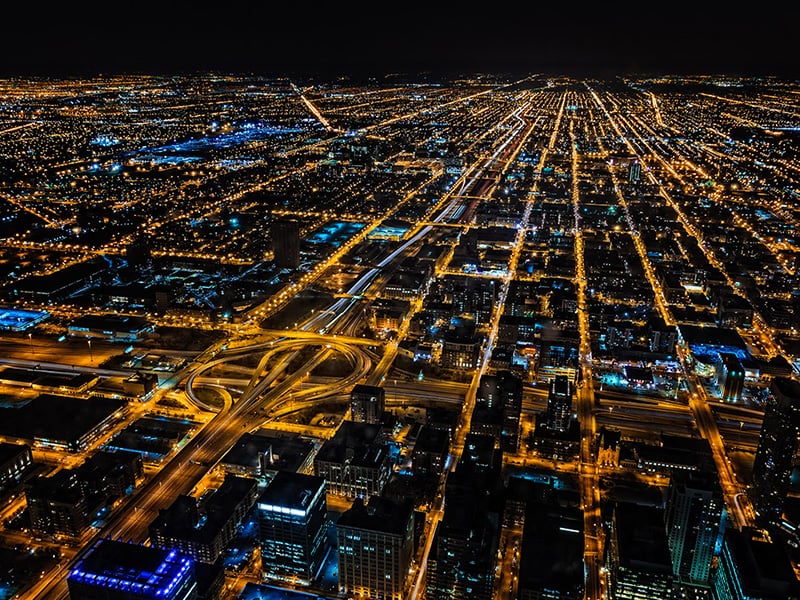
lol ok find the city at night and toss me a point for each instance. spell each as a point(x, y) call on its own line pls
point(302, 305)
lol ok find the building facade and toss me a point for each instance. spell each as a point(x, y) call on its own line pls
point(293, 523)
point(777, 445)
point(693, 518)
point(375, 545)
point(367, 403)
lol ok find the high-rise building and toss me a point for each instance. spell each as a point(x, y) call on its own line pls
point(693, 518)
point(367, 403)
point(375, 545)
point(635, 171)
point(57, 505)
point(285, 235)
point(557, 434)
point(777, 446)
point(750, 567)
point(551, 554)
point(498, 405)
point(637, 554)
point(352, 462)
point(559, 404)
point(293, 522)
point(463, 554)
point(122, 571)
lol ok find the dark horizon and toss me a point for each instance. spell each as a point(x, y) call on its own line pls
point(598, 41)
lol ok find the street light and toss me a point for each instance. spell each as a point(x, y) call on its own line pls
point(91, 355)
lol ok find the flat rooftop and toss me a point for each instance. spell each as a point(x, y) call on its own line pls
point(293, 491)
point(43, 417)
point(120, 566)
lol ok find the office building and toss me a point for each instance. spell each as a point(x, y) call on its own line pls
point(635, 171)
point(431, 449)
point(498, 406)
point(751, 568)
point(285, 235)
point(559, 404)
point(15, 459)
point(777, 446)
point(352, 463)
point(693, 518)
point(367, 403)
point(58, 506)
point(637, 554)
point(463, 554)
point(375, 545)
point(122, 571)
point(460, 348)
point(204, 535)
point(557, 434)
point(293, 523)
point(551, 554)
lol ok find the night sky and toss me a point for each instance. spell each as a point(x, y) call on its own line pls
point(270, 37)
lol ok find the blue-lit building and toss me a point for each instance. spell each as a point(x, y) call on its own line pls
point(693, 519)
point(753, 568)
point(113, 570)
point(14, 319)
point(293, 523)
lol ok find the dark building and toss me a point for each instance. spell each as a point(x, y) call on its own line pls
point(461, 348)
point(730, 377)
point(285, 235)
point(122, 571)
point(673, 453)
point(751, 568)
point(293, 523)
point(480, 455)
point(204, 536)
point(430, 451)
point(499, 400)
point(263, 455)
point(375, 546)
point(777, 446)
point(367, 403)
point(557, 435)
point(58, 506)
point(352, 462)
point(462, 558)
point(734, 311)
point(693, 518)
point(551, 554)
point(110, 474)
point(15, 459)
point(41, 421)
point(140, 385)
point(637, 554)
point(559, 404)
